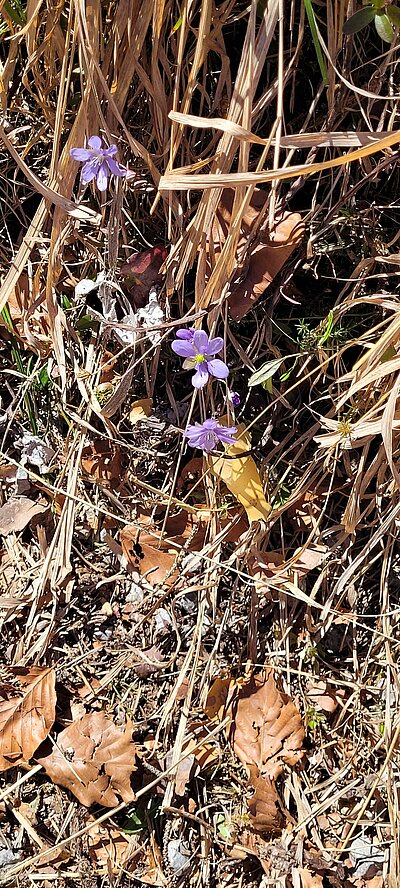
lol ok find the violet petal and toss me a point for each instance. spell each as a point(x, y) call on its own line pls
point(184, 349)
point(200, 342)
point(89, 171)
point(186, 334)
point(200, 378)
point(81, 154)
point(226, 435)
point(95, 143)
point(218, 368)
point(114, 167)
point(102, 177)
point(215, 345)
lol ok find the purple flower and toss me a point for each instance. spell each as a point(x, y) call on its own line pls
point(98, 162)
point(199, 351)
point(234, 398)
point(186, 334)
point(207, 434)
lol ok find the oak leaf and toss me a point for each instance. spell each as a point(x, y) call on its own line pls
point(94, 759)
point(27, 712)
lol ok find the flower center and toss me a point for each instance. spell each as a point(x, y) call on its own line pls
point(199, 359)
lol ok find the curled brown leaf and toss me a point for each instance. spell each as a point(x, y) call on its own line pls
point(27, 712)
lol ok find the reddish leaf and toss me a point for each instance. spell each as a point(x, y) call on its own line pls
point(27, 712)
point(142, 271)
point(94, 759)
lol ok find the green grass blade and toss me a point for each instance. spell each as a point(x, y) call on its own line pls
point(314, 33)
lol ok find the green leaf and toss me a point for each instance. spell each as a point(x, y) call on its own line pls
point(265, 372)
point(15, 12)
point(393, 13)
point(384, 28)
point(317, 46)
point(328, 331)
point(359, 20)
point(177, 25)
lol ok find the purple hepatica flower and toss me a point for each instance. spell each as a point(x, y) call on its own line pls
point(98, 162)
point(199, 352)
point(186, 334)
point(234, 398)
point(207, 434)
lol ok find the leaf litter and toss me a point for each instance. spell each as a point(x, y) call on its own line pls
point(199, 585)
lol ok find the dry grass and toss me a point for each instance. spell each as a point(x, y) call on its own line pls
point(203, 97)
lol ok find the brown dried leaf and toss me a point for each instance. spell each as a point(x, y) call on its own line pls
point(268, 251)
point(152, 662)
point(264, 805)
point(27, 712)
point(139, 410)
point(308, 880)
point(16, 514)
point(109, 849)
point(94, 759)
point(265, 726)
point(322, 695)
point(156, 564)
point(104, 461)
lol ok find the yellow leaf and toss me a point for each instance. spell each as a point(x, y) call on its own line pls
point(140, 409)
point(242, 477)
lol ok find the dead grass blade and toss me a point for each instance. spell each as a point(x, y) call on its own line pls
point(178, 181)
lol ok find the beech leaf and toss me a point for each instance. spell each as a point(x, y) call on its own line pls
point(109, 848)
point(105, 461)
point(27, 712)
point(265, 731)
point(268, 251)
point(94, 759)
point(242, 477)
point(140, 410)
point(264, 805)
point(142, 552)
